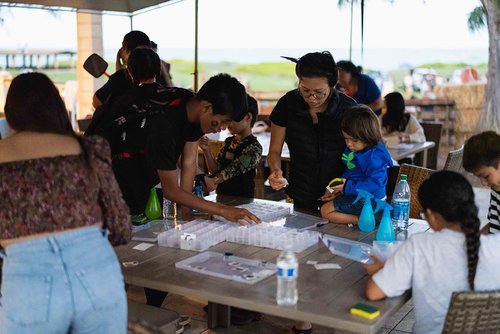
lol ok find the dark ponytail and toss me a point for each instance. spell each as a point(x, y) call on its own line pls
point(451, 195)
point(470, 227)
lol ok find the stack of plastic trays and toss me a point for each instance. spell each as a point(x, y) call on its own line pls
point(267, 212)
point(273, 237)
point(207, 233)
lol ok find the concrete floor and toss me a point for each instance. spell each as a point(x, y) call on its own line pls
point(401, 322)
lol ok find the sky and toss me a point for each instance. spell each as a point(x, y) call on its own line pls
point(243, 25)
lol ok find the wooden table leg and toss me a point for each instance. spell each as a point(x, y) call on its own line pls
point(219, 315)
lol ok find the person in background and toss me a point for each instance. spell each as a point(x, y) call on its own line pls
point(366, 160)
point(482, 158)
point(399, 126)
point(166, 77)
point(233, 171)
point(59, 273)
point(434, 265)
point(120, 82)
point(308, 119)
point(359, 86)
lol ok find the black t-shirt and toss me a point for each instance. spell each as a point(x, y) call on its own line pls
point(166, 142)
point(118, 84)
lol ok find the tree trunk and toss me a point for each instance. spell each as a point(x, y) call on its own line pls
point(490, 115)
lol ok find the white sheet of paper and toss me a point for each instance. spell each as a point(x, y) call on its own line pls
point(143, 246)
point(321, 266)
point(311, 262)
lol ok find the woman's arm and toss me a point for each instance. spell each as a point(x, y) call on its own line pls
point(373, 292)
point(377, 104)
point(415, 131)
point(276, 179)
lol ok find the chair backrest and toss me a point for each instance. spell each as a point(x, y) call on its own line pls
point(454, 160)
point(416, 175)
point(473, 312)
point(432, 131)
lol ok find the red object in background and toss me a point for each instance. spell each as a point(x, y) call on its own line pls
point(469, 74)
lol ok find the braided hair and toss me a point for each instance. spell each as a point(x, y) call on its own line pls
point(450, 194)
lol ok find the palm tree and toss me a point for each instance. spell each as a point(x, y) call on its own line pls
point(490, 115)
point(487, 13)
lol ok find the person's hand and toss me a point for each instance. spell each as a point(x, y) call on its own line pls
point(240, 216)
point(204, 143)
point(329, 195)
point(338, 189)
point(277, 181)
point(404, 139)
point(374, 267)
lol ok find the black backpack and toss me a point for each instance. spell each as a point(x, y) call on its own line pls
point(124, 124)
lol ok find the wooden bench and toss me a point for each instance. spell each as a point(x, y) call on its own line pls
point(156, 319)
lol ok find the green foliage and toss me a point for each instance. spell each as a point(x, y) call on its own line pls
point(477, 18)
point(276, 68)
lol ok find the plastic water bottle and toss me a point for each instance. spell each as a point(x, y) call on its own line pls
point(288, 272)
point(169, 209)
point(401, 204)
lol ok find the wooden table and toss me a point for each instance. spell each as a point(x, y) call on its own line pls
point(406, 150)
point(325, 296)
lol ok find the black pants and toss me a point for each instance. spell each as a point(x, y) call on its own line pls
point(155, 297)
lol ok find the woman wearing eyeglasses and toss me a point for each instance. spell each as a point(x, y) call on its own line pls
point(308, 120)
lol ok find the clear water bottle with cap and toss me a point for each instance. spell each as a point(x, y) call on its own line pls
point(288, 272)
point(401, 204)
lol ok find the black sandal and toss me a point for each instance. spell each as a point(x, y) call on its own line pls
point(302, 331)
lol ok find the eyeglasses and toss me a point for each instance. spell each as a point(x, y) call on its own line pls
point(315, 93)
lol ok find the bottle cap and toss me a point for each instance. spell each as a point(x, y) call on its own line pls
point(404, 177)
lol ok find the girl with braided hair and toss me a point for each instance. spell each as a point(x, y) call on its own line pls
point(454, 258)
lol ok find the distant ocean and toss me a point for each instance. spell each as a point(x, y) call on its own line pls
point(376, 59)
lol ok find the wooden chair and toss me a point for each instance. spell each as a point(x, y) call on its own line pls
point(432, 131)
point(454, 160)
point(416, 175)
point(473, 312)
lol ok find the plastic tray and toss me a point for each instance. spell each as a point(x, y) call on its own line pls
point(228, 267)
point(197, 235)
point(350, 249)
point(267, 212)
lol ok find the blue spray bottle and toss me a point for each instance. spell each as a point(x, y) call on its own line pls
point(385, 229)
point(366, 222)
